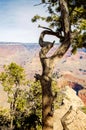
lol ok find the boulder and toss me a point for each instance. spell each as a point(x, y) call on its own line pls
point(69, 116)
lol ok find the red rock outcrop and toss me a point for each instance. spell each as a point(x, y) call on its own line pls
point(82, 95)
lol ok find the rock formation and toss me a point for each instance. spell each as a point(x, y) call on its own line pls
point(69, 116)
point(82, 95)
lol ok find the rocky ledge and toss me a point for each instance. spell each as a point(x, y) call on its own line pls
point(69, 116)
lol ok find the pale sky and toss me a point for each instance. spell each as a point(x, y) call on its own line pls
point(15, 20)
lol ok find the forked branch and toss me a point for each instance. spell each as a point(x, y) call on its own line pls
point(46, 45)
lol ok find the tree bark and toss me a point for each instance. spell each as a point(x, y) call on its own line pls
point(47, 96)
point(48, 65)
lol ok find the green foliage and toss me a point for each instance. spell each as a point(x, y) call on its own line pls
point(59, 95)
point(77, 15)
point(24, 103)
point(16, 73)
point(31, 116)
point(84, 109)
point(35, 18)
point(13, 75)
point(28, 104)
point(35, 98)
point(21, 100)
point(4, 118)
point(13, 80)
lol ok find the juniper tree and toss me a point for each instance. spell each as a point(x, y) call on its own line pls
point(67, 21)
point(11, 79)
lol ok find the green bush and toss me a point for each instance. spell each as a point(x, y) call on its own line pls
point(84, 109)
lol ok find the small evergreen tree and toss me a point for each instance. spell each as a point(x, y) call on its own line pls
point(12, 79)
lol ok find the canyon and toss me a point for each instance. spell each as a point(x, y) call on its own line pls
point(70, 70)
point(69, 73)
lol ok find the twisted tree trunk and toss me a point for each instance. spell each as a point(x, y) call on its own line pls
point(48, 65)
